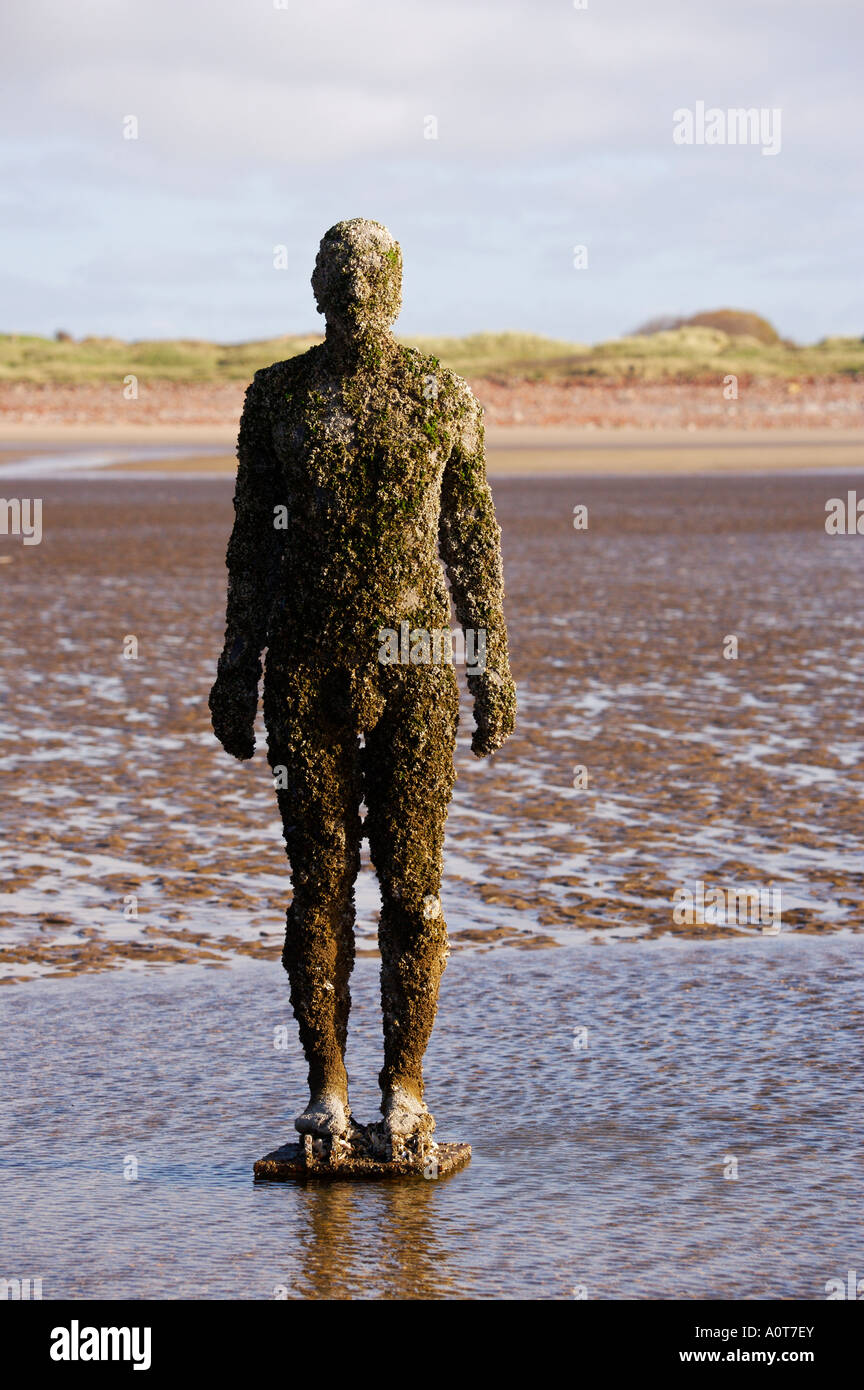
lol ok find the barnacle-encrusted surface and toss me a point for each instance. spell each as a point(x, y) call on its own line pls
point(358, 462)
point(291, 1163)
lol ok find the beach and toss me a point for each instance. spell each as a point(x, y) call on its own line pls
point(132, 839)
point(186, 408)
point(514, 451)
point(340, 292)
point(638, 1090)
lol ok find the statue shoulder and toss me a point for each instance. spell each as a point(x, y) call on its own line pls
point(270, 384)
point(460, 395)
point(450, 391)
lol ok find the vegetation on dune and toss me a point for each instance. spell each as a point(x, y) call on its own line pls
point(685, 352)
point(489, 354)
point(26, 357)
point(694, 353)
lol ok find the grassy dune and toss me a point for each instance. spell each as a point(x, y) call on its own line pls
point(683, 354)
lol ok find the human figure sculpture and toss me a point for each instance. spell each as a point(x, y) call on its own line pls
point(357, 461)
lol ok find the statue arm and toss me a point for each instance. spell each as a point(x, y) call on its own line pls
point(253, 560)
point(253, 550)
point(470, 547)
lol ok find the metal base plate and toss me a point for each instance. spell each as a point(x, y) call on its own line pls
point(294, 1161)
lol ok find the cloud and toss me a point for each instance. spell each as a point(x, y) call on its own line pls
point(234, 83)
point(260, 125)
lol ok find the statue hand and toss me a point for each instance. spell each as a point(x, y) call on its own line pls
point(234, 704)
point(494, 712)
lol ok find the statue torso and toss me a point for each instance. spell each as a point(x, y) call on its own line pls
point(360, 456)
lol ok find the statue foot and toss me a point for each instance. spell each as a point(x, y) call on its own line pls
point(326, 1116)
point(405, 1114)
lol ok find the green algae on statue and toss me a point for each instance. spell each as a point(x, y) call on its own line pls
point(359, 463)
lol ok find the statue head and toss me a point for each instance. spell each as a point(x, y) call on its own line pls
point(357, 280)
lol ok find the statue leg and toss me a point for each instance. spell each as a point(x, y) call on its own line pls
point(317, 760)
point(409, 775)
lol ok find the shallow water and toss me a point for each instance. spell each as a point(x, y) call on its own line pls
point(601, 1168)
point(80, 462)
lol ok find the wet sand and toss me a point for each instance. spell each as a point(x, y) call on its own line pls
point(131, 840)
point(697, 1053)
point(514, 451)
point(699, 1139)
point(567, 452)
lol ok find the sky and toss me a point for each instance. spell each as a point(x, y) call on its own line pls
point(260, 123)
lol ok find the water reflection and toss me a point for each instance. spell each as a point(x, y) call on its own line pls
point(345, 1230)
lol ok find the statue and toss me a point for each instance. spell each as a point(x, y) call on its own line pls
point(357, 461)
